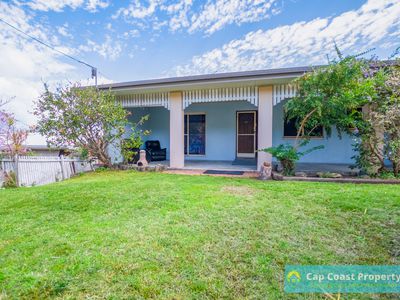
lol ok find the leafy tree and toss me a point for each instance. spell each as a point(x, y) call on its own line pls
point(384, 114)
point(15, 139)
point(82, 118)
point(357, 96)
point(331, 96)
point(369, 142)
point(12, 138)
point(392, 118)
point(4, 117)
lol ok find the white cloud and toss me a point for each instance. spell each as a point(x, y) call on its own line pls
point(180, 14)
point(63, 31)
point(109, 49)
point(59, 5)
point(93, 5)
point(216, 15)
point(25, 64)
point(56, 5)
point(137, 10)
point(22, 60)
point(212, 16)
point(304, 43)
point(131, 34)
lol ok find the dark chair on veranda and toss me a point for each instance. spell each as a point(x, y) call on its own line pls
point(156, 153)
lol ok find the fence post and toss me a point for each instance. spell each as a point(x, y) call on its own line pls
point(91, 166)
point(73, 166)
point(62, 167)
point(16, 169)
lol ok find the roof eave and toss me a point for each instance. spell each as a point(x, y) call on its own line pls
point(179, 82)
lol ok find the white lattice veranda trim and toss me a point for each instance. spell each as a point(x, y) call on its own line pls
point(283, 91)
point(249, 94)
point(145, 100)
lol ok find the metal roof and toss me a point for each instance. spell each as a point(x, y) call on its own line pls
point(235, 76)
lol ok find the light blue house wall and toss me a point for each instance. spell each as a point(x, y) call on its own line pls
point(158, 124)
point(335, 150)
point(221, 132)
point(220, 128)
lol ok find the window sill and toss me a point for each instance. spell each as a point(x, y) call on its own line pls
point(311, 138)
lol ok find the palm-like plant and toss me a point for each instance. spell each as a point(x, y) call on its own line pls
point(288, 155)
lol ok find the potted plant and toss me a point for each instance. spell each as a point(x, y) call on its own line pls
point(130, 146)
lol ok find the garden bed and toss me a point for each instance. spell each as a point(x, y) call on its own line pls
point(149, 168)
point(340, 177)
point(343, 180)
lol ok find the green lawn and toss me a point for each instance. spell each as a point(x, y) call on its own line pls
point(128, 235)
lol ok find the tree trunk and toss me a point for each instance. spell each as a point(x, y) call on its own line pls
point(105, 159)
point(101, 154)
point(396, 168)
point(300, 131)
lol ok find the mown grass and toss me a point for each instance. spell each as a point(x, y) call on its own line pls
point(128, 235)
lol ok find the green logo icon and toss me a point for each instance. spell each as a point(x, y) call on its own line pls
point(293, 276)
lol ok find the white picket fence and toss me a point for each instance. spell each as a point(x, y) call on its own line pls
point(39, 170)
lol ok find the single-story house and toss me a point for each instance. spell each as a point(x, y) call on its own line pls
point(223, 117)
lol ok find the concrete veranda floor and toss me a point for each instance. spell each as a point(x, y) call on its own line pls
point(310, 168)
point(210, 165)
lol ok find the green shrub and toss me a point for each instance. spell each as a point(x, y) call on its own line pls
point(10, 180)
point(288, 155)
point(388, 175)
point(102, 169)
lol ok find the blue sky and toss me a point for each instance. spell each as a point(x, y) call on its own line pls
point(129, 40)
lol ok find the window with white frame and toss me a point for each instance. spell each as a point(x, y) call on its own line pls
point(195, 134)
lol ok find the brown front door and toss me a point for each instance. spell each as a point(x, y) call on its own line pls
point(246, 134)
